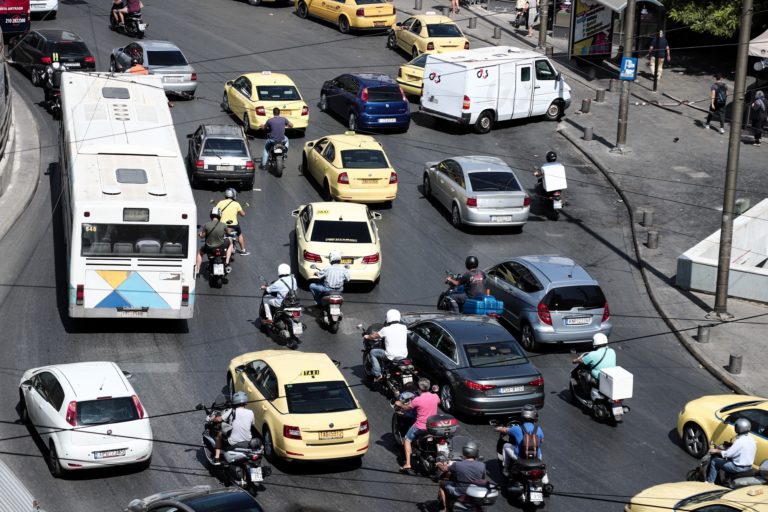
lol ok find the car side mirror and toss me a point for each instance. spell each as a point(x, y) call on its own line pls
point(376, 215)
point(190, 135)
point(337, 363)
point(199, 407)
point(240, 369)
point(399, 24)
point(433, 168)
point(295, 213)
point(128, 375)
point(27, 383)
point(229, 82)
point(310, 144)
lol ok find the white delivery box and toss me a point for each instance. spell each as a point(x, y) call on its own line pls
point(616, 383)
point(553, 175)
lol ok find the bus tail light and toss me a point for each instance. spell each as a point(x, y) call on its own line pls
point(185, 295)
point(80, 295)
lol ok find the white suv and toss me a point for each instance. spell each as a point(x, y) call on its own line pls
point(87, 414)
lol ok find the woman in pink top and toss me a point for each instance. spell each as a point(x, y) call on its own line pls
point(425, 405)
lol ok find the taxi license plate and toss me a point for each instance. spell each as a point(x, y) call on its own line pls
point(109, 453)
point(218, 269)
point(618, 411)
point(286, 112)
point(369, 180)
point(297, 328)
point(512, 389)
point(225, 168)
point(578, 321)
point(346, 261)
point(331, 434)
point(256, 475)
point(387, 120)
point(501, 218)
point(537, 496)
point(335, 310)
point(407, 379)
point(378, 23)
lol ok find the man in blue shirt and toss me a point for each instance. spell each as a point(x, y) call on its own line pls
point(515, 449)
point(333, 278)
point(275, 128)
point(601, 357)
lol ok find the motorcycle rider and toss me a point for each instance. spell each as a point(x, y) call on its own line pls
point(602, 356)
point(425, 406)
point(117, 15)
point(739, 457)
point(275, 128)
point(137, 68)
point(230, 210)
point(461, 474)
point(517, 432)
point(395, 335)
point(214, 234)
point(473, 281)
point(276, 292)
point(333, 278)
point(239, 421)
point(130, 7)
point(551, 162)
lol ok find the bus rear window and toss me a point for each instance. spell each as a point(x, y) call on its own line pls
point(134, 240)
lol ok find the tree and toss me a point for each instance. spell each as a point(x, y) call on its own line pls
point(719, 18)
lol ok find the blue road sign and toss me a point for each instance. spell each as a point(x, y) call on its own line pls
point(628, 68)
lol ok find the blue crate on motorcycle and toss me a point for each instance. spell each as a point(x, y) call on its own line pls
point(487, 305)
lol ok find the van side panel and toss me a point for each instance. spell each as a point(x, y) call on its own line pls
point(523, 89)
point(444, 85)
point(506, 91)
point(483, 89)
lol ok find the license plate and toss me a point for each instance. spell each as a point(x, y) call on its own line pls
point(132, 314)
point(407, 379)
point(335, 310)
point(557, 205)
point(537, 496)
point(71, 64)
point(173, 79)
point(218, 269)
point(501, 218)
point(387, 120)
point(512, 389)
point(226, 167)
point(109, 453)
point(618, 411)
point(277, 151)
point(346, 261)
point(369, 180)
point(142, 26)
point(297, 329)
point(443, 448)
point(256, 475)
point(378, 23)
point(331, 434)
point(578, 321)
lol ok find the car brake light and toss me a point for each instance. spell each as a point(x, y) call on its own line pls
point(371, 258)
point(193, 77)
point(291, 432)
point(465, 103)
point(310, 256)
point(343, 178)
point(139, 407)
point(72, 413)
point(305, 110)
point(360, 12)
point(471, 201)
point(402, 92)
point(393, 177)
point(90, 60)
point(537, 382)
point(466, 45)
point(199, 164)
point(363, 428)
point(185, 295)
point(364, 94)
point(476, 386)
point(249, 165)
point(543, 311)
point(45, 60)
point(260, 111)
point(606, 313)
point(80, 295)
point(527, 201)
point(430, 46)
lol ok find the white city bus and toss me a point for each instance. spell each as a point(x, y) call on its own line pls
point(128, 210)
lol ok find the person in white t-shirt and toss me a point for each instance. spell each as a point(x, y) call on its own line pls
point(739, 457)
point(240, 420)
point(395, 337)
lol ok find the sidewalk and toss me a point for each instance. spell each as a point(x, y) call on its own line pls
point(671, 165)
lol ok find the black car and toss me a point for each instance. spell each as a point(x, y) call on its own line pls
point(478, 365)
point(197, 499)
point(39, 48)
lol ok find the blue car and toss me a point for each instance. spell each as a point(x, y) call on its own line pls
point(367, 101)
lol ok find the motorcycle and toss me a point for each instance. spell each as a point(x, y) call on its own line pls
point(553, 199)
point(134, 25)
point(601, 407)
point(216, 268)
point(286, 320)
point(331, 307)
point(734, 481)
point(479, 495)
point(486, 305)
point(51, 80)
point(524, 482)
point(395, 374)
point(277, 154)
point(240, 465)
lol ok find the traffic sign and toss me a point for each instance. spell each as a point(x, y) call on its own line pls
point(628, 68)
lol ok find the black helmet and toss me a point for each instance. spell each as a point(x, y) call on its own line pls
point(742, 426)
point(134, 61)
point(470, 450)
point(471, 262)
point(529, 413)
point(551, 156)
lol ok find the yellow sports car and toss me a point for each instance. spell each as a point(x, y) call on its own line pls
point(410, 76)
point(699, 496)
point(349, 228)
point(427, 33)
point(302, 405)
point(709, 420)
point(350, 167)
point(253, 96)
point(350, 14)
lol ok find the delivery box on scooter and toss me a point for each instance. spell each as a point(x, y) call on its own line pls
point(616, 383)
point(553, 177)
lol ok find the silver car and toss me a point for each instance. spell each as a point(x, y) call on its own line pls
point(160, 58)
point(219, 153)
point(550, 300)
point(478, 191)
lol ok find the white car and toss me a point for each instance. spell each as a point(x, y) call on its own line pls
point(87, 414)
point(49, 8)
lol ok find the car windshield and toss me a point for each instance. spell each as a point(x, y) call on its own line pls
point(493, 182)
point(340, 232)
point(70, 49)
point(277, 93)
point(127, 240)
point(443, 30)
point(319, 397)
point(225, 147)
point(165, 58)
point(384, 94)
point(106, 410)
point(363, 159)
point(566, 298)
point(700, 498)
point(501, 353)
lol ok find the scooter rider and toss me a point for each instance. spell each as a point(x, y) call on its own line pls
point(425, 406)
point(461, 474)
point(518, 433)
point(473, 281)
point(276, 292)
point(230, 210)
point(602, 356)
point(739, 457)
point(214, 234)
point(395, 335)
point(333, 278)
point(551, 162)
point(238, 421)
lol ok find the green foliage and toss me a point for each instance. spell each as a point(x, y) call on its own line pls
point(718, 18)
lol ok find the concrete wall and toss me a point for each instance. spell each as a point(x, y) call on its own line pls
point(5, 123)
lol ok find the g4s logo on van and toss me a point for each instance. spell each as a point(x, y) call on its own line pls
point(482, 73)
point(434, 77)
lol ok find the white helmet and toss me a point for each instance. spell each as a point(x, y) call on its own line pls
point(230, 193)
point(335, 256)
point(283, 269)
point(393, 316)
point(599, 340)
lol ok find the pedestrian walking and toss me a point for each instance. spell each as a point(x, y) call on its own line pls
point(718, 97)
point(533, 15)
point(521, 8)
point(759, 115)
point(658, 53)
point(455, 6)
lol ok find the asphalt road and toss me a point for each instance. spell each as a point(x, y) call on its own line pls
point(177, 365)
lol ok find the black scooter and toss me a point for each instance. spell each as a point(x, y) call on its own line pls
point(51, 80)
point(395, 374)
point(134, 25)
point(276, 158)
point(286, 320)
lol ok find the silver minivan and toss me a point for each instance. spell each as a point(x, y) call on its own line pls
point(550, 300)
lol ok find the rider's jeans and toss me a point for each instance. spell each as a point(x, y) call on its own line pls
point(267, 145)
point(726, 465)
point(375, 355)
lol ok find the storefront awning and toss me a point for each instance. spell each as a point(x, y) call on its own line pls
point(758, 47)
point(620, 5)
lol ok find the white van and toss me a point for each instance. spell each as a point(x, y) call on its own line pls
point(481, 86)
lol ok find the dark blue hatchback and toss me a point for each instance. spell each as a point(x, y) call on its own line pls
point(366, 101)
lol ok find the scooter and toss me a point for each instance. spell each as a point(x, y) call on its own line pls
point(600, 406)
point(276, 158)
point(331, 306)
point(286, 320)
point(240, 465)
point(134, 25)
point(51, 81)
point(485, 305)
point(734, 481)
point(395, 374)
point(479, 495)
point(216, 268)
point(553, 199)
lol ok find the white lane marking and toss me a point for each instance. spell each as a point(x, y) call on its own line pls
point(154, 368)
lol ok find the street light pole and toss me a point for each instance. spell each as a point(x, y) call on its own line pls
point(543, 22)
point(732, 165)
point(629, 40)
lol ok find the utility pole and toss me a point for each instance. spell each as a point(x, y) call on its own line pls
point(732, 165)
point(543, 22)
point(629, 41)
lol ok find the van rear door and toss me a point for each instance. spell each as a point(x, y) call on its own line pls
point(523, 91)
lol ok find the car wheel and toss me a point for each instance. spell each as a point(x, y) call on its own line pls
point(34, 77)
point(352, 123)
point(23, 412)
point(225, 102)
point(455, 216)
point(327, 196)
point(527, 338)
point(695, 440)
point(555, 111)
point(54, 464)
point(427, 188)
point(323, 102)
point(392, 41)
point(246, 124)
point(484, 122)
point(414, 52)
point(269, 444)
point(343, 25)
point(446, 398)
point(302, 10)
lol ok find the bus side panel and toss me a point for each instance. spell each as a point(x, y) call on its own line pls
point(14, 17)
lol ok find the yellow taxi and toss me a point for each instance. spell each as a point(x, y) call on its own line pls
point(350, 14)
point(302, 404)
point(701, 496)
point(427, 33)
point(410, 76)
point(349, 228)
point(709, 420)
point(251, 98)
point(350, 167)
